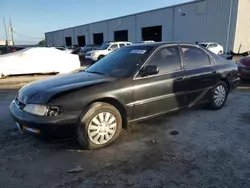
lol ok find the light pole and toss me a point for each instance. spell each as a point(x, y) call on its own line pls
point(11, 29)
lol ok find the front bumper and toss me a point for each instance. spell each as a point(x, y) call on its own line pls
point(92, 58)
point(244, 73)
point(234, 84)
point(60, 126)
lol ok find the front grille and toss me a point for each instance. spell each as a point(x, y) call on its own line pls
point(20, 104)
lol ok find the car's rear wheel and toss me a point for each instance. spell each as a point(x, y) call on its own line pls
point(219, 95)
point(100, 126)
point(100, 57)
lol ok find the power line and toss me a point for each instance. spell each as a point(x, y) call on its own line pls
point(6, 33)
point(25, 36)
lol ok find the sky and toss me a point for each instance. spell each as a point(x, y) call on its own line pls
point(32, 18)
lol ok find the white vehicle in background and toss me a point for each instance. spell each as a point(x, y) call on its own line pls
point(105, 49)
point(213, 47)
point(147, 41)
point(67, 49)
point(38, 60)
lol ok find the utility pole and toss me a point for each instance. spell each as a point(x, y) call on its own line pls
point(6, 33)
point(11, 32)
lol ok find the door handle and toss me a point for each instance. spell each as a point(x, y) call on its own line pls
point(179, 78)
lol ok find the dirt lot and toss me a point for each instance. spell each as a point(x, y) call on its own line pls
point(190, 148)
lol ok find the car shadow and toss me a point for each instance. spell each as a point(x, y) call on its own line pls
point(244, 85)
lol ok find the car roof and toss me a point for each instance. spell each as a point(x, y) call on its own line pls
point(114, 42)
point(157, 44)
point(208, 43)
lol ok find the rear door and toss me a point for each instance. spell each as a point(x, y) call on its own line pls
point(164, 91)
point(200, 71)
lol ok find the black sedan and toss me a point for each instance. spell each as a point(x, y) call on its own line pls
point(9, 49)
point(86, 49)
point(134, 83)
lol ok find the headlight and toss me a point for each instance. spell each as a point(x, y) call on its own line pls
point(36, 109)
point(41, 110)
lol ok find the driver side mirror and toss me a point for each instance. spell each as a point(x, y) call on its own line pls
point(150, 70)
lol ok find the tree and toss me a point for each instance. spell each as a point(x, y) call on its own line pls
point(42, 42)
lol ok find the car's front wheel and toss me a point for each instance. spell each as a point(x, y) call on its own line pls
point(100, 126)
point(219, 95)
point(100, 57)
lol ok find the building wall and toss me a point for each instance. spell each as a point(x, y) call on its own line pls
point(205, 21)
point(68, 33)
point(81, 31)
point(162, 17)
point(99, 27)
point(242, 36)
point(2, 42)
point(58, 38)
point(123, 23)
point(49, 37)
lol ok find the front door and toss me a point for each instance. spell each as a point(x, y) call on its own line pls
point(200, 72)
point(164, 91)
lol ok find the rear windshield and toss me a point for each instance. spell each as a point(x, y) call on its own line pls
point(121, 62)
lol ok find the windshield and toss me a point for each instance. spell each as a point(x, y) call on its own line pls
point(86, 49)
point(122, 62)
point(104, 46)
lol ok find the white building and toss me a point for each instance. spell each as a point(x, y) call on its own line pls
point(226, 22)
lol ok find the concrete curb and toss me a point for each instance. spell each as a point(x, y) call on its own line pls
point(21, 80)
point(15, 83)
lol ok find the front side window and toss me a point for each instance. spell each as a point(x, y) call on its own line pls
point(167, 59)
point(104, 46)
point(113, 47)
point(122, 62)
point(194, 57)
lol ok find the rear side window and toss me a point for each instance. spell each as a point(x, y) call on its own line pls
point(194, 57)
point(167, 59)
point(121, 45)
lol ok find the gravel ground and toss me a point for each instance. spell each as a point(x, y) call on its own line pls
point(189, 148)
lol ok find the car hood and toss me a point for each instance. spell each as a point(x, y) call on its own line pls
point(245, 61)
point(40, 92)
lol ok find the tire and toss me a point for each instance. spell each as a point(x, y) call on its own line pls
point(219, 92)
point(2, 76)
point(100, 57)
point(101, 136)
